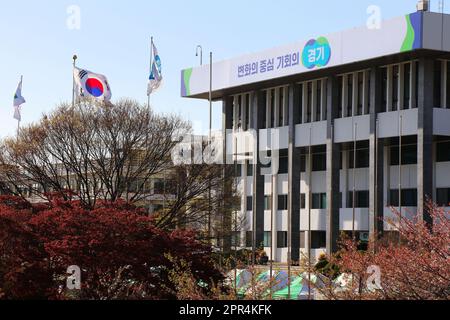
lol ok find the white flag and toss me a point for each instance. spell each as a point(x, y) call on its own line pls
point(92, 84)
point(155, 78)
point(18, 101)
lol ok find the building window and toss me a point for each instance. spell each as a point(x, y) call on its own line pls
point(361, 199)
point(318, 100)
point(281, 105)
point(303, 201)
point(283, 202)
point(319, 201)
point(264, 114)
point(236, 239)
point(282, 239)
point(319, 162)
point(384, 77)
point(249, 239)
point(340, 96)
point(239, 111)
point(309, 103)
point(249, 203)
point(159, 187)
point(447, 76)
point(349, 95)
point(267, 239)
point(247, 111)
point(303, 163)
point(438, 83)
point(409, 155)
point(443, 151)
point(318, 239)
point(443, 197)
point(272, 108)
point(283, 163)
point(409, 198)
point(249, 169)
point(302, 239)
point(300, 90)
point(406, 85)
point(360, 106)
point(395, 86)
point(238, 170)
point(362, 158)
point(267, 203)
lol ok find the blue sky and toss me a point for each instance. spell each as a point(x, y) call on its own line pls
point(114, 40)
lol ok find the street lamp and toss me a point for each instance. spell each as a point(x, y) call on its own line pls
point(197, 50)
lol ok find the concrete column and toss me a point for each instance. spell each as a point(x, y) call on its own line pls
point(294, 175)
point(259, 108)
point(333, 168)
point(425, 136)
point(376, 151)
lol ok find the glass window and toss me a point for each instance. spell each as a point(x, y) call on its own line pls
point(349, 95)
point(443, 197)
point(409, 155)
point(409, 198)
point(407, 85)
point(318, 239)
point(236, 239)
point(284, 164)
point(362, 158)
point(340, 97)
point(318, 100)
point(267, 202)
point(448, 85)
point(267, 239)
point(384, 77)
point(443, 151)
point(319, 162)
point(302, 201)
point(282, 239)
point(282, 202)
point(247, 111)
point(281, 107)
point(249, 203)
point(361, 201)
point(249, 239)
point(264, 114)
point(309, 103)
point(319, 201)
point(360, 93)
point(438, 83)
point(300, 90)
point(272, 108)
point(249, 169)
point(303, 163)
point(395, 86)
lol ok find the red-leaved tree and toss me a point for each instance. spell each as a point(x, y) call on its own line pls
point(120, 252)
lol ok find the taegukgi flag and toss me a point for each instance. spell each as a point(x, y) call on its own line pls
point(91, 84)
point(18, 101)
point(155, 78)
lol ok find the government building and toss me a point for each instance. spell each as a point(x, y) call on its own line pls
point(359, 121)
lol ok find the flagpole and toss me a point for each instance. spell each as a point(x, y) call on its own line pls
point(19, 118)
point(151, 63)
point(75, 57)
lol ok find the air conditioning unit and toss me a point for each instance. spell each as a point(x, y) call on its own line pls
point(364, 236)
point(423, 5)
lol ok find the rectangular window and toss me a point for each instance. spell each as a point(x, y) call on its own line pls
point(267, 239)
point(282, 239)
point(238, 170)
point(340, 96)
point(281, 107)
point(319, 201)
point(249, 169)
point(409, 198)
point(395, 87)
point(443, 151)
point(264, 114)
point(318, 100)
point(236, 239)
point(438, 83)
point(406, 86)
point(158, 187)
point(384, 77)
point(319, 162)
point(318, 239)
point(239, 108)
point(283, 202)
point(272, 108)
point(249, 203)
point(267, 203)
point(361, 199)
point(309, 103)
point(443, 197)
point(247, 112)
point(349, 95)
point(416, 84)
point(284, 164)
point(448, 84)
point(409, 155)
point(249, 239)
point(300, 90)
point(360, 93)
point(362, 158)
point(303, 201)
point(302, 163)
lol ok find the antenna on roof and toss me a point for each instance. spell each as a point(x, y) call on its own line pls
point(423, 5)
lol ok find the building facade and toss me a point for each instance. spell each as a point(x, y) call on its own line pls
point(359, 121)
